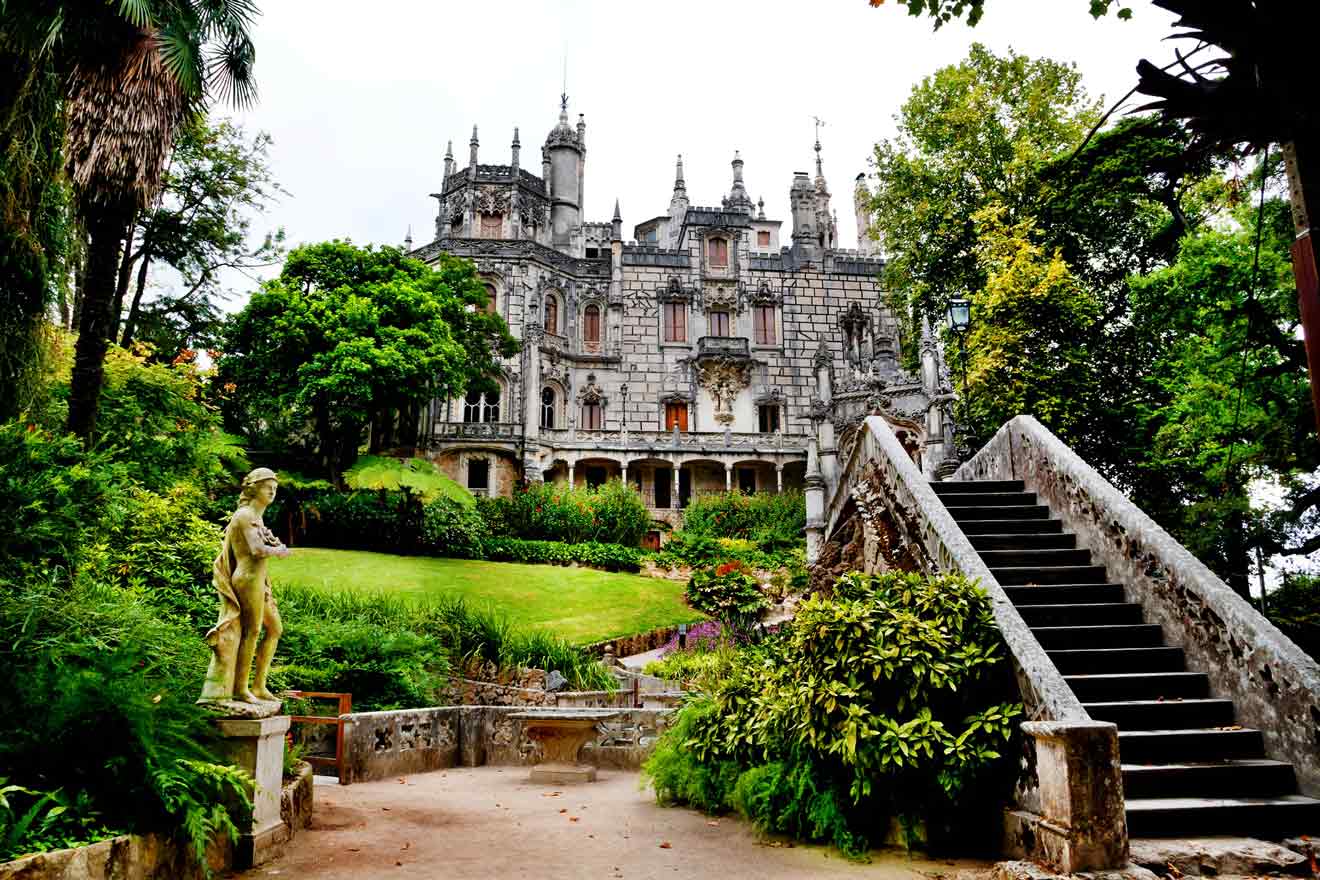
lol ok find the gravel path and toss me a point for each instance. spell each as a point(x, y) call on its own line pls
point(489, 822)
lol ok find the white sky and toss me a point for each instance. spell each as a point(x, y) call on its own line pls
point(361, 100)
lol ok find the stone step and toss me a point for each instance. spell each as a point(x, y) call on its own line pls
point(1274, 817)
point(960, 486)
point(1010, 512)
point(1060, 541)
point(1195, 746)
point(1008, 526)
point(1035, 558)
point(1049, 574)
point(1082, 614)
point(1139, 686)
point(1258, 777)
point(1132, 635)
point(1058, 594)
point(1101, 660)
point(1174, 714)
point(988, 499)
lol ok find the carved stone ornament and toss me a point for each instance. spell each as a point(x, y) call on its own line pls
point(493, 200)
point(818, 410)
point(531, 210)
point(764, 296)
point(456, 207)
point(533, 334)
point(724, 378)
point(674, 291)
point(592, 392)
point(722, 297)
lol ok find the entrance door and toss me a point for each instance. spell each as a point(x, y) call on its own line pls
point(684, 487)
point(664, 481)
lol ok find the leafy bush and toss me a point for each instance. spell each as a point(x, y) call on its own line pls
point(452, 528)
point(97, 698)
point(611, 514)
point(699, 667)
point(873, 704)
point(772, 522)
point(728, 593)
point(35, 821)
point(611, 557)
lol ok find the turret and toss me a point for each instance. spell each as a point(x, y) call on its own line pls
point(472, 153)
point(516, 150)
point(567, 154)
point(449, 160)
point(862, 207)
point(738, 199)
point(678, 204)
point(802, 202)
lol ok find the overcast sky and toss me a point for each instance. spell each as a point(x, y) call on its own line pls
point(361, 99)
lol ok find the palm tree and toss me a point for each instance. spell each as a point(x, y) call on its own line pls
point(135, 70)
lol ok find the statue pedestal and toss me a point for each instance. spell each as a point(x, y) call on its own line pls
point(257, 746)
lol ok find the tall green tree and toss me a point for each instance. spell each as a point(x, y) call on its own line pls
point(971, 134)
point(200, 226)
point(347, 337)
point(132, 72)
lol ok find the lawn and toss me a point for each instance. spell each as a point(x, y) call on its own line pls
point(579, 604)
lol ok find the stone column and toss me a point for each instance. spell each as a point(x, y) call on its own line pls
point(674, 503)
point(623, 472)
point(532, 402)
point(256, 745)
point(815, 491)
point(728, 478)
point(779, 478)
point(1082, 825)
point(571, 466)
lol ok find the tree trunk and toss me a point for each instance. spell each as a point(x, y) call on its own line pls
point(1302, 160)
point(1236, 553)
point(130, 324)
point(122, 277)
point(107, 231)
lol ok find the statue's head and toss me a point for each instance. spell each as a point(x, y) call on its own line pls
point(260, 484)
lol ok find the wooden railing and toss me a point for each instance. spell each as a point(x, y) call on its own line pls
point(345, 707)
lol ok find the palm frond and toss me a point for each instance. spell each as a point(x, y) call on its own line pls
point(229, 74)
point(136, 12)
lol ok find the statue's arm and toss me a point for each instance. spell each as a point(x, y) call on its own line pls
point(256, 545)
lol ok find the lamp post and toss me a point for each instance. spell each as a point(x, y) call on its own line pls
point(960, 319)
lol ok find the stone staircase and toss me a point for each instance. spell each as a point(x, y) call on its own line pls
point(1187, 768)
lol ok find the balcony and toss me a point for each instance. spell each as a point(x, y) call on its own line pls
point(690, 441)
point(450, 431)
point(724, 346)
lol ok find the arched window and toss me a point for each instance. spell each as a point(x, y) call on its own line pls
point(551, 314)
point(547, 408)
point(717, 253)
point(593, 417)
point(591, 328)
point(490, 298)
point(481, 407)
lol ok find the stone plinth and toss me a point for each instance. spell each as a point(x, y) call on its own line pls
point(257, 746)
point(562, 734)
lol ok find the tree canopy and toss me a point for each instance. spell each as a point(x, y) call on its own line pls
point(349, 336)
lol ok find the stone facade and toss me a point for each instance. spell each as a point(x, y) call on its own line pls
point(701, 357)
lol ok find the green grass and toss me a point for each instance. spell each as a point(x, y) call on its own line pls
point(581, 605)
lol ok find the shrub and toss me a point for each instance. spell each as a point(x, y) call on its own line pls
point(728, 593)
point(451, 528)
point(611, 514)
point(773, 522)
point(872, 704)
point(611, 557)
point(416, 475)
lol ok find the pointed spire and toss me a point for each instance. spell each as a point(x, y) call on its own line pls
point(473, 144)
point(449, 149)
point(407, 240)
point(616, 225)
point(680, 186)
point(617, 215)
point(760, 208)
point(516, 147)
point(738, 199)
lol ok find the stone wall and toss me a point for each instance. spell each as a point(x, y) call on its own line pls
point(1274, 684)
point(378, 745)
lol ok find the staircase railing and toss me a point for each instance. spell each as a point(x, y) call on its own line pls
point(1069, 808)
point(1274, 684)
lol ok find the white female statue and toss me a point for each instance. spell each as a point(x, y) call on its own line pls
point(246, 601)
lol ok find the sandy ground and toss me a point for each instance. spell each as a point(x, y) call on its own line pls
point(491, 822)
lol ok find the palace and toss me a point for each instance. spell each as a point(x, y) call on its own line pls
point(705, 354)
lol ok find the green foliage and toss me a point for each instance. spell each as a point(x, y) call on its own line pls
point(416, 475)
point(773, 522)
point(872, 704)
point(944, 11)
point(699, 667)
point(444, 623)
point(611, 514)
point(97, 698)
point(347, 336)
point(453, 528)
point(610, 557)
point(34, 821)
point(727, 592)
point(1295, 608)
